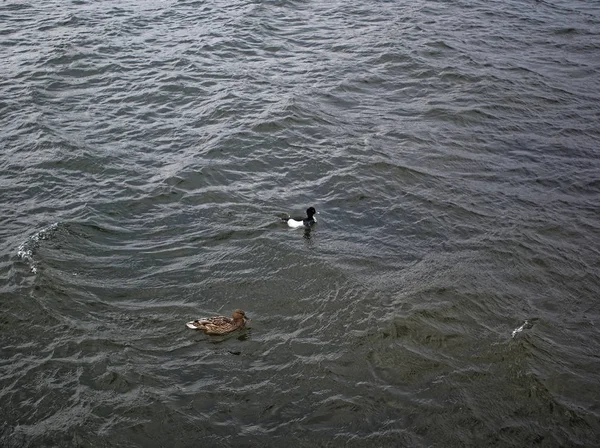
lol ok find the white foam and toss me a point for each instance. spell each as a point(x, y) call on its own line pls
point(25, 249)
point(519, 329)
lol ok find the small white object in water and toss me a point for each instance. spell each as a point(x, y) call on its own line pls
point(520, 329)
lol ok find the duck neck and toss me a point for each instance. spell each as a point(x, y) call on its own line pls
point(239, 322)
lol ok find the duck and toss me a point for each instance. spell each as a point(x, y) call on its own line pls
point(307, 222)
point(220, 324)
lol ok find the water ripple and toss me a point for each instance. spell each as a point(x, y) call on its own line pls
point(446, 295)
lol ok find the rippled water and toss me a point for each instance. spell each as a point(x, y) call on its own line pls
point(448, 295)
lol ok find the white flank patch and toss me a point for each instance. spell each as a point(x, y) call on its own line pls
point(295, 224)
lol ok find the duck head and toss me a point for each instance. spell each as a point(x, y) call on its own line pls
point(310, 211)
point(240, 315)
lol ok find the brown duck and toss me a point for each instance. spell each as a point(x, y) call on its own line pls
point(220, 324)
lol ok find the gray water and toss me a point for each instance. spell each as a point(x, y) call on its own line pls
point(448, 295)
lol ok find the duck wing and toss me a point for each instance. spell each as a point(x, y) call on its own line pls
point(210, 323)
point(295, 218)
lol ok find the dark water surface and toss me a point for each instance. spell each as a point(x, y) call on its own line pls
point(448, 296)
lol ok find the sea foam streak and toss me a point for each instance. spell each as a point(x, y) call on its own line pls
point(526, 325)
point(26, 249)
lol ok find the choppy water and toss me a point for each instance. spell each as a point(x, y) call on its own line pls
point(448, 295)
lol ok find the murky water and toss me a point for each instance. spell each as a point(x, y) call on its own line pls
point(448, 295)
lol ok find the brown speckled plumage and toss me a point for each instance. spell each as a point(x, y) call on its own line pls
point(220, 324)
